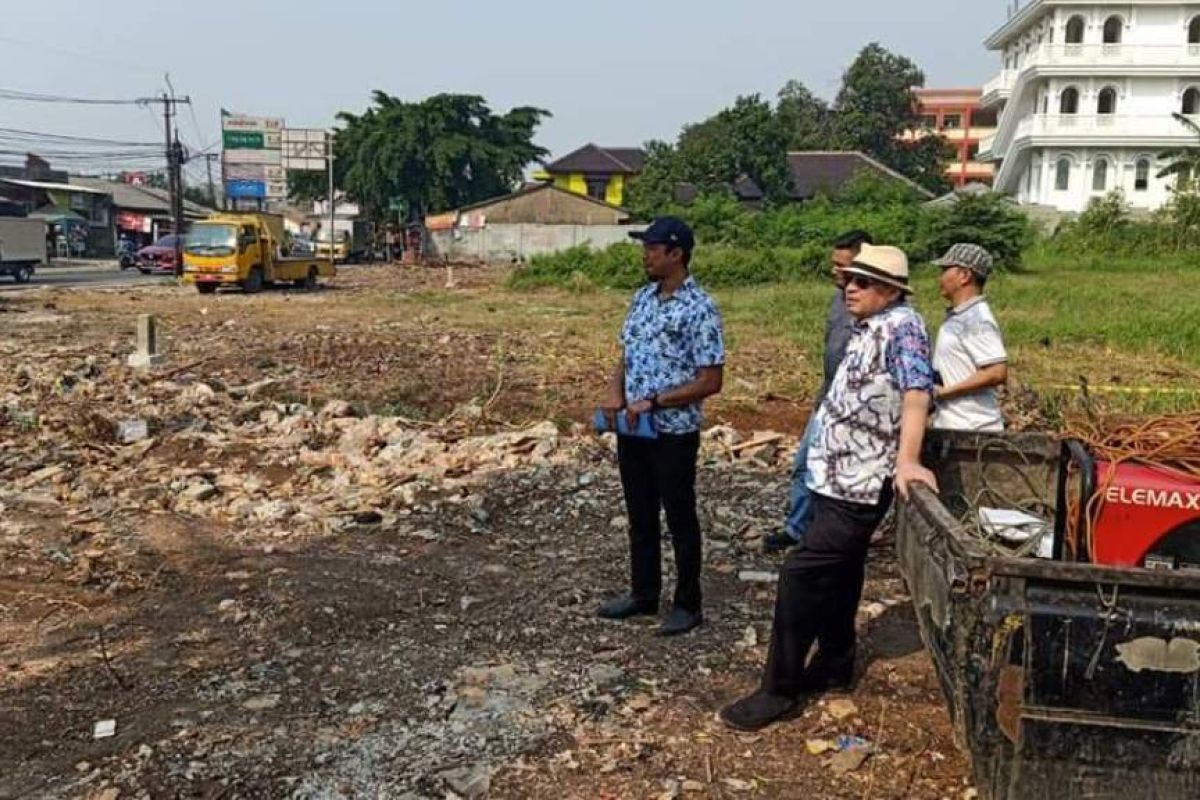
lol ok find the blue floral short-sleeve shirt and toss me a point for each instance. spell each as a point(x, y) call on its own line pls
point(667, 341)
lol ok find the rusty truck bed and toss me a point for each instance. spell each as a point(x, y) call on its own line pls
point(1064, 680)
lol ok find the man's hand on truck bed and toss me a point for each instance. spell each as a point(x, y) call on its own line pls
point(910, 472)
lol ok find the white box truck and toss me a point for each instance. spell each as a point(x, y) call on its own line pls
point(22, 247)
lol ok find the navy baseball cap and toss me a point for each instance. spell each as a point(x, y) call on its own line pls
point(671, 231)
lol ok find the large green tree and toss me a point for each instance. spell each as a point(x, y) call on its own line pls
point(745, 140)
point(446, 151)
point(876, 107)
point(805, 119)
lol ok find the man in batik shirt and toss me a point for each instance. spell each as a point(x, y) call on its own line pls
point(867, 440)
point(674, 356)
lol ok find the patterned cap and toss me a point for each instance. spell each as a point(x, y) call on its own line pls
point(970, 256)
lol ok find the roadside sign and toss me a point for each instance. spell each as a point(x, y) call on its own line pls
point(238, 122)
point(259, 152)
point(243, 140)
point(304, 149)
point(255, 172)
point(266, 157)
point(246, 189)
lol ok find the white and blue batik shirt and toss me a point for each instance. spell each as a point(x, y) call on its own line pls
point(853, 452)
point(667, 341)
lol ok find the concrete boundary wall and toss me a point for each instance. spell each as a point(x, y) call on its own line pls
point(509, 242)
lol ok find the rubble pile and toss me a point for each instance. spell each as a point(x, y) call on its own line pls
point(110, 439)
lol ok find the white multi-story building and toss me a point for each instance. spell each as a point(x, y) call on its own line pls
point(1086, 98)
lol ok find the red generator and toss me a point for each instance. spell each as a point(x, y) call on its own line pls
point(1143, 517)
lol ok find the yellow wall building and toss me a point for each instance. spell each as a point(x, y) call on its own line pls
point(597, 172)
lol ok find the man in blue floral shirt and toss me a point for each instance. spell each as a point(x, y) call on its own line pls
point(674, 356)
point(867, 440)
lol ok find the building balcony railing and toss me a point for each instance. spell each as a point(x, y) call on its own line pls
point(986, 145)
point(998, 88)
point(1114, 55)
point(1100, 126)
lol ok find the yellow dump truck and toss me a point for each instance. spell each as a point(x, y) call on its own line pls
point(246, 250)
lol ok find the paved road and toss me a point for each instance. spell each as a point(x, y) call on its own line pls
point(83, 274)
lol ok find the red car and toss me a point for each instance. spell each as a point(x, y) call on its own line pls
point(159, 258)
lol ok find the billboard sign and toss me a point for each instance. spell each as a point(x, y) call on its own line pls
point(238, 122)
point(304, 149)
point(239, 189)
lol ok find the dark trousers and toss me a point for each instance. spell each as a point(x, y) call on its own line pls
point(820, 585)
point(662, 472)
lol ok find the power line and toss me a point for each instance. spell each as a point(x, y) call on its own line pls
point(33, 97)
point(13, 133)
point(68, 155)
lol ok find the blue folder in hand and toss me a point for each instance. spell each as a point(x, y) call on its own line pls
point(643, 430)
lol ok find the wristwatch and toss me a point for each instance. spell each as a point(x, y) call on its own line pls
point(654, 406)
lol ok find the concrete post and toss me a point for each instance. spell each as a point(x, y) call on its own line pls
point(147, 354)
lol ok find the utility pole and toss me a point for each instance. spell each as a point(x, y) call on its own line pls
point(332, 208)
point(212, 188)
point(175, 159)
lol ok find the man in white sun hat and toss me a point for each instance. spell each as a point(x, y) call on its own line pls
point(868, 440)
point(969, 360)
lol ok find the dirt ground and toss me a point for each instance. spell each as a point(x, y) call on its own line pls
point(357, 550)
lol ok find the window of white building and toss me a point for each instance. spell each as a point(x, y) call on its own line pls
point(1114, 27)
point(1191, 101)
point(1068, 101)
point(1075, 27)
point(1100, 175)
point(1062, 175)
point(1194, 31)
point(1106, 103)
point(1141, 176)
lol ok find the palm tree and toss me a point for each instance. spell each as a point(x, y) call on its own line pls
point(1183, 162)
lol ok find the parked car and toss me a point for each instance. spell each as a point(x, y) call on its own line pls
point(159, 258)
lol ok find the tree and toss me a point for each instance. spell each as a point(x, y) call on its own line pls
point(743, 141)
point(443, 152)
point(653, 189)
point(989, 220)
point(1184, 161)
point(198, 195)
point(876, 107)
point(804, 118)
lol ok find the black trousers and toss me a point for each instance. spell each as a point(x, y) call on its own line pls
point(662, 472)
point(820, 585)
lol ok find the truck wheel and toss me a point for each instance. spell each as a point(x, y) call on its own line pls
point(254, 283)
point(310, 280)
point(23, 273)
point(206, 288)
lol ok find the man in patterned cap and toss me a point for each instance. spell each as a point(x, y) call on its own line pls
point(867, 440)
point(674, 356)
point(969, 361)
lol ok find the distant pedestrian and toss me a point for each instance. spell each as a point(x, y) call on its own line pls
point(839, 325)
point(868, 438)
point(673, 358)
point(969, 361)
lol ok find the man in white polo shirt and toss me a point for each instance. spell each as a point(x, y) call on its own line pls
point(969, 361)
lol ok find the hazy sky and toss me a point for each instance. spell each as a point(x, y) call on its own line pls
point(615, 72)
